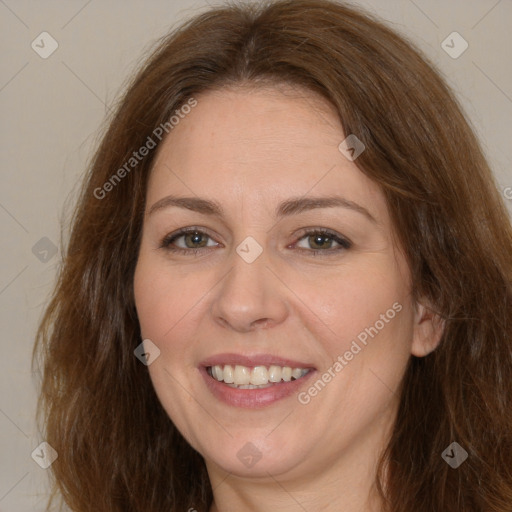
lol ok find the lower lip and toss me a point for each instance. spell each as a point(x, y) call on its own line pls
point(253, 398)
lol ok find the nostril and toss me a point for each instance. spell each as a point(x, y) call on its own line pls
point(262, 323)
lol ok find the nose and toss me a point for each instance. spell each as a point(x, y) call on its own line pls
point(250, 296)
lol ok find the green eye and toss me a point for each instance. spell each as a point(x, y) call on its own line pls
point(315, 242)
point(187, 240)
point(195, 239)
point(322, 241)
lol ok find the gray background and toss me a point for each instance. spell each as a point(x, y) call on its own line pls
point(52, 110)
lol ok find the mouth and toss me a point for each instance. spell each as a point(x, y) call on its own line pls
point(257, 377)
point(254, 382)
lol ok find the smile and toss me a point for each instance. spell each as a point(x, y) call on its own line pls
point(257, 377)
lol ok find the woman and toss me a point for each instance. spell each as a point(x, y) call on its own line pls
point(286, 288)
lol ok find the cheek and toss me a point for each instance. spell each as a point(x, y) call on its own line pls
point(345, 303)
point(164, 298)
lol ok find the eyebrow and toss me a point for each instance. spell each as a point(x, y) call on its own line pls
point(289, 207)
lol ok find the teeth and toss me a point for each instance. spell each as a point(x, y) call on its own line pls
point(218, 372)
point(274, 374)
point(259, 376)
point(287, 374)
point(228, 374)
point(250, 386)
point(296, 373)
point(243, 377)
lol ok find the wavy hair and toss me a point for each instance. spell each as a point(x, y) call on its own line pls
point(118, 449)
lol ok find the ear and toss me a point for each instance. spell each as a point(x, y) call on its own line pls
point(428, 330)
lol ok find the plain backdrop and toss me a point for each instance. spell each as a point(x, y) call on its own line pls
point(52, 110)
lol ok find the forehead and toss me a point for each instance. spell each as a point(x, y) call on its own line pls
point(259, 145)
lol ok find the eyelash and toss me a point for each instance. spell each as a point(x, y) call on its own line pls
point(344, 243)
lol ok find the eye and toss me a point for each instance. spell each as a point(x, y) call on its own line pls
point(187, 240)
point(322, 240)
point(315, 241)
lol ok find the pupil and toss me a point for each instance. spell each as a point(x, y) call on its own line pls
point(195, 240)
point(319, 240)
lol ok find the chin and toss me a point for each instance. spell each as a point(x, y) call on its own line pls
point(257, 456)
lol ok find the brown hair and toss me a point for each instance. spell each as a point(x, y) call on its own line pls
point(118, 449)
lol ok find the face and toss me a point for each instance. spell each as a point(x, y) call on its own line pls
point(267, 255)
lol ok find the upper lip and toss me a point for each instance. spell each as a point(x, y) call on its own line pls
point(253, 360)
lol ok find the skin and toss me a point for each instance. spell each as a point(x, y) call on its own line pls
point(249, 149)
